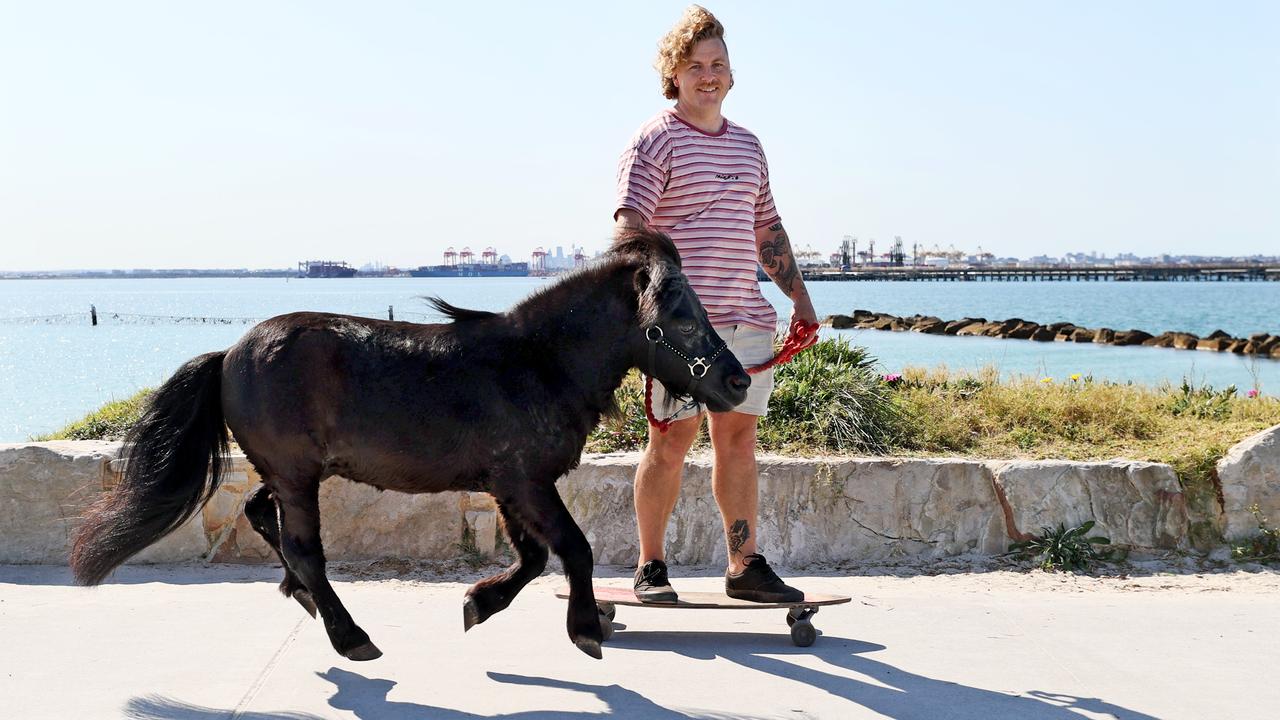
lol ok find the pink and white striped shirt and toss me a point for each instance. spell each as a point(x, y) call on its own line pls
point(709, 192)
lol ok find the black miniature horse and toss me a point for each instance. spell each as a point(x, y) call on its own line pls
point(500, 403)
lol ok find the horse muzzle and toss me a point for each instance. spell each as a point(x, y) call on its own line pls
point(715, 380)
point(730, 392)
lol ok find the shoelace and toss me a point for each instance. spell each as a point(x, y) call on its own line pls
point(654, 572)
point(761, 566)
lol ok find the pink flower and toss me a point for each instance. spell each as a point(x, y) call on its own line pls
point(1253, 393)
point(892, 378)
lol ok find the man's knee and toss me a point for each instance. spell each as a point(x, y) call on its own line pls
point(671, 447)
point(733, 432)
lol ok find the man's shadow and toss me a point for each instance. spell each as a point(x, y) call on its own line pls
point(895, 693)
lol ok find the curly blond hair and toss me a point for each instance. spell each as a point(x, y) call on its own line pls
point(696, 25)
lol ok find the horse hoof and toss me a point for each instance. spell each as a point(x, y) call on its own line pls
point(306, 601)
point(367, 651)
point(590, 647)
point(470, 614)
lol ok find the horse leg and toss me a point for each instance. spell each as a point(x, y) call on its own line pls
point(264, 517)
point(540, 509)
point(304, 554)
point(494, 594)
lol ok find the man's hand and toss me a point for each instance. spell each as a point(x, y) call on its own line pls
point(804, 319)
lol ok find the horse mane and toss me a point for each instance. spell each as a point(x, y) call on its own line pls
point(646, 242)
point(648, 257)
point(455, 313)
point(658, 276)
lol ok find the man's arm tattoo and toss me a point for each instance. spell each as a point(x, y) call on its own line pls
point(739, 533)
point(778, 261)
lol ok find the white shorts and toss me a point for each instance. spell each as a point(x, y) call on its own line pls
point(752, 347)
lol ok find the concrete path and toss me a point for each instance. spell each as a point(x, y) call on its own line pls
point(195, 643)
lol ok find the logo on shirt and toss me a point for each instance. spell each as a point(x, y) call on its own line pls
point(722, 176)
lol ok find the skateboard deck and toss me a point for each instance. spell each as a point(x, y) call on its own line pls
point(799, 614)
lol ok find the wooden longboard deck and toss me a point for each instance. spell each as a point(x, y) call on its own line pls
point(703, 600)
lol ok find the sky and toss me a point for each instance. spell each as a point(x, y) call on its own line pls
point(254, 135)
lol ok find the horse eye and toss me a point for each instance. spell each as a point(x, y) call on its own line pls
point(687, 327)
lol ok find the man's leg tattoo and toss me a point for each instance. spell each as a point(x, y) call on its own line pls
point(739, 533)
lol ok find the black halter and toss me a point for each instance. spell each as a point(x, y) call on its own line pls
point(698, 366)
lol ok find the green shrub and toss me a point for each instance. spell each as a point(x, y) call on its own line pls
point(628, 429)
point(1262, 546)
point(828, 399)
point(831, 398)
point(1062, 549)
point(1202, 402)
point(109, 422)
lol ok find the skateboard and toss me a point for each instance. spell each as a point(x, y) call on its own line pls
point(799, 614)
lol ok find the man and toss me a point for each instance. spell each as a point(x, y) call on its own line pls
point(704, 181)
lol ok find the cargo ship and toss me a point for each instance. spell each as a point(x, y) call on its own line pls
point(325, 269)
point(519, 269)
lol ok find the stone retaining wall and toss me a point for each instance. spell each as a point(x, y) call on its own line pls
point(812, 510)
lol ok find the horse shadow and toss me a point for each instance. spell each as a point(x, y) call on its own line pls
point(159, 707)
point(367, 698)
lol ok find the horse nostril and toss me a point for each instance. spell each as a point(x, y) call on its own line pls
point(741, 381)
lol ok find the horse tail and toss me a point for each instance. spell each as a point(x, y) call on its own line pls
point(174, 464)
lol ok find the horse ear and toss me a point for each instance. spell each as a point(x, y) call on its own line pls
point(648, 281)
point(642, 280)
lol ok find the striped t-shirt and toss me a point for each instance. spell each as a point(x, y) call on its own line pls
point(709, 192)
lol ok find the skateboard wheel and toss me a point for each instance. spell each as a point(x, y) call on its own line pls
point(606, 627)
point(799, 613)
point(607, 609)
point(803, 633)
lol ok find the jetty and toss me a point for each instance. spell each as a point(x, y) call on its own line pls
point(1263, 345)
point(1215, 272)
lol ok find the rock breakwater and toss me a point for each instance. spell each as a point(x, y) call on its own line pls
point(1259, 344)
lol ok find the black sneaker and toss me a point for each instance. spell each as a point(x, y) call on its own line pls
point(759, 583)
point(652, 585)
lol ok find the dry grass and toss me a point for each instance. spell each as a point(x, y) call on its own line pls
point(976, 415)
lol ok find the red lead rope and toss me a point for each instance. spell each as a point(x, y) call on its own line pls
point(800, 336)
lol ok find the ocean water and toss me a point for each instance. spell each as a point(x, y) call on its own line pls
point(54, 366)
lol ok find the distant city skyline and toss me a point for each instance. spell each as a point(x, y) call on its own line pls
point(555, 263)
point(246, 135)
